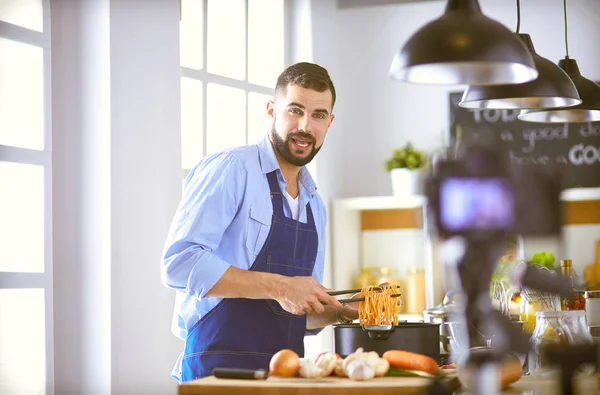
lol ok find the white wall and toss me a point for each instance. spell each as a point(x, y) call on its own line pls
point(117, 182)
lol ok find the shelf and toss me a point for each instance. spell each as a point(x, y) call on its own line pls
point(382, 202)
point(575, 194)
point(413, 201)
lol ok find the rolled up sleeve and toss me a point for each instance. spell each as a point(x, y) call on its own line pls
point(210, 201)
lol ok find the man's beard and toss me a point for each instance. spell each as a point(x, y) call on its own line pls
point(283, 147)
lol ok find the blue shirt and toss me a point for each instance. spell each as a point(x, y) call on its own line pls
point(223, 220)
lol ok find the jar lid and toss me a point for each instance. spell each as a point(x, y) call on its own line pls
point(592, 294)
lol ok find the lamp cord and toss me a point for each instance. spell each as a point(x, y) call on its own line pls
point(566, 38)
point(518, 16)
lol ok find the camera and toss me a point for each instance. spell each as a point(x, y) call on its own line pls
point(482, 196)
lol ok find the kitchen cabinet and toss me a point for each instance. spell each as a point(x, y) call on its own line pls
point(391, 227)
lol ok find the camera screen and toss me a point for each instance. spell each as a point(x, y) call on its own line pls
point(469, 203)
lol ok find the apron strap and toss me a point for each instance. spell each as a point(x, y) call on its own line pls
point(276, 195)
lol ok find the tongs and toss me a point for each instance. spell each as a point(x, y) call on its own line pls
point(354, 291)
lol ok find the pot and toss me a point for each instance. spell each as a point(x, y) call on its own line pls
point(440, 315)
point(418, 337)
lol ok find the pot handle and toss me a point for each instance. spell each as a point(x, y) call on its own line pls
point(382, 333)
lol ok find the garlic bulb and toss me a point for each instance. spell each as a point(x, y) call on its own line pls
point(380, 366)
point(360, 370)
point(309, 370)
point(327, 363)
point(339, 368)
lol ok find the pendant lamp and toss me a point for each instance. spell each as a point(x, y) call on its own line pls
point(463, 46)
point(552, 88)
point(589, 92)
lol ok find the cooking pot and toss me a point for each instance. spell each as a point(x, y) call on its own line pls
point(418, 337)
point(440, 315)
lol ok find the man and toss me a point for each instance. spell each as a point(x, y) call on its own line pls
point(246, 247)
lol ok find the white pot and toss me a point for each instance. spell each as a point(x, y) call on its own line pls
point(406, 182)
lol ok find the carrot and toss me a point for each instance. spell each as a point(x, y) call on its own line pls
point(411, 361)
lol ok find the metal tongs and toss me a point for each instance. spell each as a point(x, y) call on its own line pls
point(354, 291)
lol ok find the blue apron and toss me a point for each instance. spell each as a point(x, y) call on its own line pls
point(245, 333)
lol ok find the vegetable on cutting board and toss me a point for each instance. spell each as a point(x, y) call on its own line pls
point(397, 372)
point(411, 361)
point(359, 365)
point(285, 363)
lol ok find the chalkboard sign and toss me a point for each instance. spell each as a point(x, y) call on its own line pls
point(574, 149)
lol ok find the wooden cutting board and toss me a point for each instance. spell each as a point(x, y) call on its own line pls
point(301, 386)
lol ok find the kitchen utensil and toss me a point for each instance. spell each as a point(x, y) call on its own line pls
point(243, 374)
point(418, 337)
point(349, 291)
point(440, 315)
point(362, 299)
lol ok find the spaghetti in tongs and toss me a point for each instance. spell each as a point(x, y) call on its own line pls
point(380, 307)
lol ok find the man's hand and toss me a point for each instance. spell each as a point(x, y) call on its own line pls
point(303, 295)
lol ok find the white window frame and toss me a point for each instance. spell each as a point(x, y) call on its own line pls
point(12, 280)
point(206, 78)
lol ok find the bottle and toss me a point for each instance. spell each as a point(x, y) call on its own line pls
point(577, 299)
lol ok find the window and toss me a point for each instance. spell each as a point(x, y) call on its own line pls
point(231, 54)
point(25, 199)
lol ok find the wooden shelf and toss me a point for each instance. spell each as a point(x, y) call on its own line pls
point(576, 194)
point(382, 202)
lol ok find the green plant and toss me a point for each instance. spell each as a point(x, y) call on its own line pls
point(406, 157)
point(543, 258)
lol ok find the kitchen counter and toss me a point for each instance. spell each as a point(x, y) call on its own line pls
point(379, 386)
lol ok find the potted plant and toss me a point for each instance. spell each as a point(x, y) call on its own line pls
point(405, 167)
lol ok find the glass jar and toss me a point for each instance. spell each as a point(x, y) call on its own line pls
point(556, 327)
point(527, 314)
point(415, 290)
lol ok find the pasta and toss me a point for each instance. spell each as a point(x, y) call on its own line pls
point(379, 307)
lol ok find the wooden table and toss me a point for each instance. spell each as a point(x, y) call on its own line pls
point(301, 386)
point(378, 386)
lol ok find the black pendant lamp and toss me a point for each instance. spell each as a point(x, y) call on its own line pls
point(589, 92)
point(463, 46)
point(552, 88)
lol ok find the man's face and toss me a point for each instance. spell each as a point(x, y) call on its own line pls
point(301, 118)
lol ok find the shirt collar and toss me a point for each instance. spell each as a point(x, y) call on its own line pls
point(268, 163)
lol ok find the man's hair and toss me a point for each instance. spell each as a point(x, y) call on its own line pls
point(307, 75)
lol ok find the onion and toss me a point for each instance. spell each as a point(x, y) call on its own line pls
point(284, 363)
